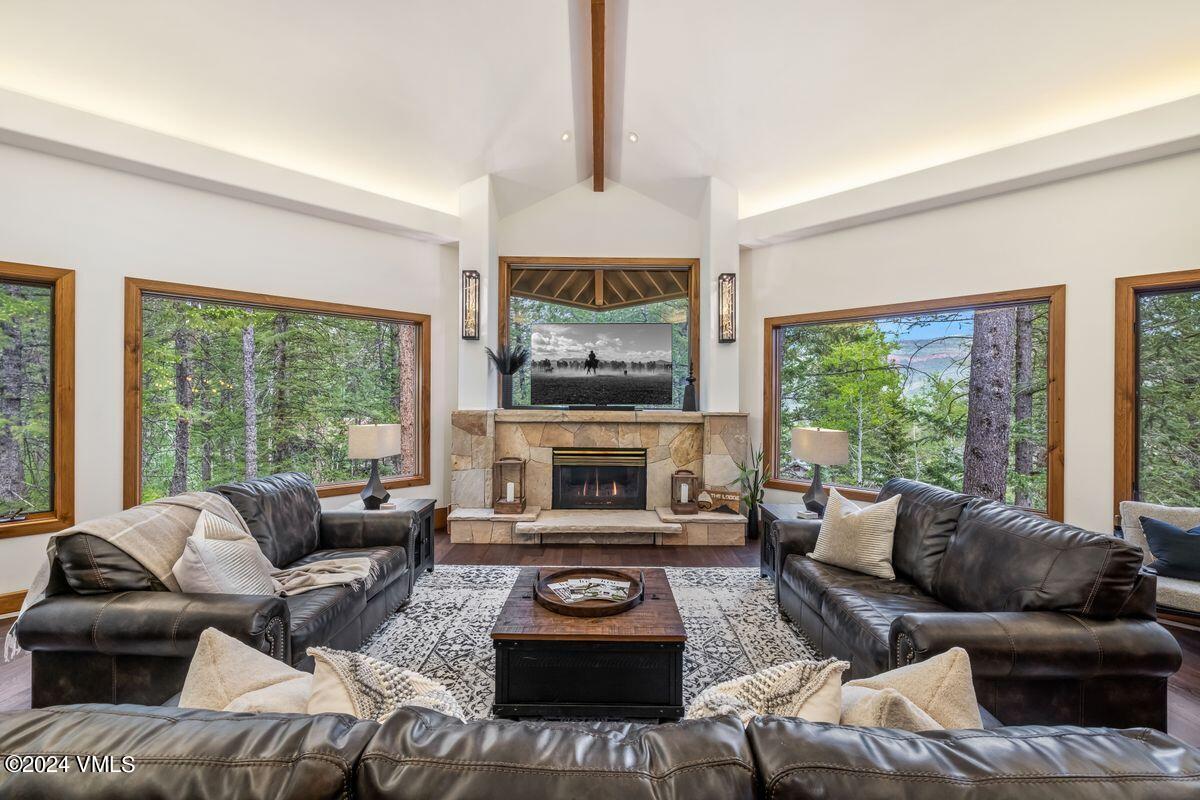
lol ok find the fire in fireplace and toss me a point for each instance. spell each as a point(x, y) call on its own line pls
point(599, 477)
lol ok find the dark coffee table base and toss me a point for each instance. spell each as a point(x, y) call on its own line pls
point(540, 678)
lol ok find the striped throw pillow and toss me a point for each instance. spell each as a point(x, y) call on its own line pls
point(218, 558)
point(858, 537)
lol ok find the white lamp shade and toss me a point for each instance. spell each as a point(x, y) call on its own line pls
point(375, 441)
point(822, 446)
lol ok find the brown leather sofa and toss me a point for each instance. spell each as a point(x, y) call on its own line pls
point(108, 631)
point(1059, 622)
point(417, 754)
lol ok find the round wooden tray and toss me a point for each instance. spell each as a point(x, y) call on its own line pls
point(586, 608)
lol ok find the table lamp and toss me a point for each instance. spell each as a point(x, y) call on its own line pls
point(374, 442)
point(819, 446)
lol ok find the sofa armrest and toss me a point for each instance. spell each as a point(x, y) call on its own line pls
point(153, 623)
point(1038, 644)
point(359, 528)
point(793, 537)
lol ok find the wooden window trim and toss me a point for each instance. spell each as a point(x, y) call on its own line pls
point(136, 288)
point(1055, 296)
point(1125, 406)
point(692, 265)
point(62, 283)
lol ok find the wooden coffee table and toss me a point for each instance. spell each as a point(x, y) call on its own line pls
point(628, 665)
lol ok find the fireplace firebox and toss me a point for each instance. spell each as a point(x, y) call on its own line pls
point(599, 477)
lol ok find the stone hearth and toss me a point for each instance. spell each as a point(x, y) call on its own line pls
point(707, 443)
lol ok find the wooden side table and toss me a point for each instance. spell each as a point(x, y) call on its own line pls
point(420, 537)
point(770, 513)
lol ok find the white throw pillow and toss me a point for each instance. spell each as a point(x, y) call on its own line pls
point(219, 558)
point(858, 537)
point(810, 690)
point(228, 675)
point(357, 684)
point(939, 688)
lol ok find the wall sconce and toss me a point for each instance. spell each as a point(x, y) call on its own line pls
point(470, 304)
point(726, 307)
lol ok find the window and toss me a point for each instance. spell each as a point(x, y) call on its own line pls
point(963, 393)
point(221, 386)
point(37, 401)
point(1158, 370)
point(559, 290)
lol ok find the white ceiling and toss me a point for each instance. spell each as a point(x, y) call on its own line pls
point(785, 99)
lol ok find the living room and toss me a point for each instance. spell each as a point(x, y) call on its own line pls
point(775, 399)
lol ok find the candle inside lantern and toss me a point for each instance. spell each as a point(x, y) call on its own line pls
point(510, 492)
point(683, 492)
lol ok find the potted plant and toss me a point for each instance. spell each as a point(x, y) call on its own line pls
point(508, 360)
point(750, 480)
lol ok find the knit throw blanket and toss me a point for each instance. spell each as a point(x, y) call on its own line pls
point(152, 534)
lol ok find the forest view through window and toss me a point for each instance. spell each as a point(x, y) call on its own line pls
point(955, 398)
point(233, 391)
point(26, 397)
point(1168, 372)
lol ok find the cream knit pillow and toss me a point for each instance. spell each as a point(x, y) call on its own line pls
point(858, 537)
point(810, 690)
point(229, 675)
point(353, 683)
point(940, 687)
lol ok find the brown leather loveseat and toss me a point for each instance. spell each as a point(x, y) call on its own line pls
point(1059, 622)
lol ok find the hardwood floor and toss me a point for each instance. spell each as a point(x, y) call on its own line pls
point(1183, 691)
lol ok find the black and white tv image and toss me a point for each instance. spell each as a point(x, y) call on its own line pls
point(601, 364)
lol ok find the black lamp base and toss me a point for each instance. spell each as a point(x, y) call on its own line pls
point(816, 498)
point(374, 494)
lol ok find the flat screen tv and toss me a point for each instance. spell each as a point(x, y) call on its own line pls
point(601, 364)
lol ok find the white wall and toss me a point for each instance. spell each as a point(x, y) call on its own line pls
point(107, 225)
point(1083, 232)
point(615, 222)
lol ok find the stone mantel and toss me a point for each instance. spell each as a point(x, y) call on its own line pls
point(707, 443)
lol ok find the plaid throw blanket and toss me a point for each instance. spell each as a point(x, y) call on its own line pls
point(153, 534)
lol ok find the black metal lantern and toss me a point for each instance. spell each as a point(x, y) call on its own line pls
point(726, 307)
point(470, 304)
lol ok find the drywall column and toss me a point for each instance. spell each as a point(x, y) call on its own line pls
point(718, 253)
point(477, 250)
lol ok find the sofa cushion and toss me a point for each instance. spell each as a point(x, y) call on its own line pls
point(1132, 512)
point(419, 754)
point(862, 618)
point(317, 616)
point(186, 753)
point(1176, 551)
point(927, 518)
point(798, 760)
point(93, 566)
point(282, 512)
point(1003, 559)
point(811, 579)
point(388, 564)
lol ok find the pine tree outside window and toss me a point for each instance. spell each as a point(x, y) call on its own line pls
point(963, 393)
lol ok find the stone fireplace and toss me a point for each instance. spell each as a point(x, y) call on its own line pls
point(598, 477)
point(641, 450)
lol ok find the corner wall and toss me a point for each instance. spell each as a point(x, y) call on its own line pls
point(107, 225)
point(1084, 233)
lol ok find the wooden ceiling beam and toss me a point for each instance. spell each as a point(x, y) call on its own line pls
point(597, 95)
point(641, 295)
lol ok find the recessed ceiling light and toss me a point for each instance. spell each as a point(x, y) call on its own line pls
point(633, 137)
point(566, 136)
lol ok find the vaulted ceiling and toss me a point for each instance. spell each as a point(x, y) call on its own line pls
point(785, 99)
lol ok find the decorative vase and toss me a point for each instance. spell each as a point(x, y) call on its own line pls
point(752, 520)
point(506, 391)
point(689, 392)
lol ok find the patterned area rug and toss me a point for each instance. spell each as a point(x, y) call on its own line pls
point(732, 624)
